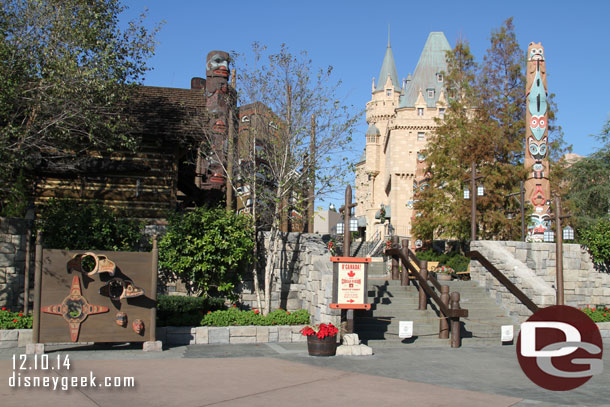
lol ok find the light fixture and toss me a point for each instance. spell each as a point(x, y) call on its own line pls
point(466, 193)
point(568, 233)
point(549, 236)
point(353, 225)
point(340, 228)
point(480, 190)
point(331, 207)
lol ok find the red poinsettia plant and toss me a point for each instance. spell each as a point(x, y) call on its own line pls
point(320, 330)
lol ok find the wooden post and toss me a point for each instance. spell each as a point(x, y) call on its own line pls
point(37, 288)
point(26, 277)
point(395, 262)
point(443, 329)
point(456, 340)
point(404, 278)
point(522, 196)
point(423, 297)
point(473, 203)
point(559, 252)
point(153, 288)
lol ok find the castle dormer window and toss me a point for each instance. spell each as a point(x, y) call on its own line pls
point(430, 93)
point(439, 77)
point(441, 112)
point(420, 111)
point(388, 92)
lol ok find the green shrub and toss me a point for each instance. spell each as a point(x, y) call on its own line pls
point(598, 314)
point(173, 310)
point(14, 320)
point(208, 249)
point(236, 317)
point(453, 259)
point(597, 240)
point(74, 225)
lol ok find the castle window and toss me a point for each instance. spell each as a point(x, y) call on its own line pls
point(388, 92)
point(441, 112)
point(421, 135)
point(439, 77)
point(420, 111)
point(430, 93)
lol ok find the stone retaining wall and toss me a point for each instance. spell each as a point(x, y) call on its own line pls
point(179, 336)
point(303, 278)
point(531, 267)
point(12, 262)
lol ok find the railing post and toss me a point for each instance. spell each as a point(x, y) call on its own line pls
point(423, 297)
point(395, 262)
point(404, 278)
point(456, 340)
point(443, 329)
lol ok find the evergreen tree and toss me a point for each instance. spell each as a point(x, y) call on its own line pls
point(588, 187)
point(484, 125)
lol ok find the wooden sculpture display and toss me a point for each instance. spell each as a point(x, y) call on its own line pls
point(537, 186)
point(106, 291)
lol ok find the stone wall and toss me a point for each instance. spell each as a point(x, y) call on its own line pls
point(531, 267)
point(12, 262)
point(303, 278)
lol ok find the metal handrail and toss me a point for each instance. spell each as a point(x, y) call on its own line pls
point(449, 313)
point(513, 289)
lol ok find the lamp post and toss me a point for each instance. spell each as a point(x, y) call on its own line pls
point(521, 200)
point(346, 210)
point(480, 191)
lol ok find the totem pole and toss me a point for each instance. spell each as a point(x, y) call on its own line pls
point(217, 104)
point(537, 186)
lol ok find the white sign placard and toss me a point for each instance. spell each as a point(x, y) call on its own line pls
point(507, 333)
point(405, 329)
point(351, 283)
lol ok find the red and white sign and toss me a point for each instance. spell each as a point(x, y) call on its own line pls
point(350, 283)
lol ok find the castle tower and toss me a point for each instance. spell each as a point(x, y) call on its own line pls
point(400, 120)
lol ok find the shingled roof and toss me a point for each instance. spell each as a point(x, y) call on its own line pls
point(431, 63)
point(167, 112)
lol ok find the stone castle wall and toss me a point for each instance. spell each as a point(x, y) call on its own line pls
point(531, 267)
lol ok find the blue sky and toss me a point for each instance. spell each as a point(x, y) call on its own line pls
point(352, 36)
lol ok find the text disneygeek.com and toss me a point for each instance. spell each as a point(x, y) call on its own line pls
point(58, 362)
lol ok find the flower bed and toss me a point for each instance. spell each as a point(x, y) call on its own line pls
point(601, 314)
point(14, 320)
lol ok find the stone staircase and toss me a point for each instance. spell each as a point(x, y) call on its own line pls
point(391, 303)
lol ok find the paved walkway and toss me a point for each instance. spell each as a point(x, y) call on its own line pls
point(283, 374)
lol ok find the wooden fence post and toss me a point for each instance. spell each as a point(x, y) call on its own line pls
point(423, 297)
point(404, 278)
point(456, 340)
point(443, 330)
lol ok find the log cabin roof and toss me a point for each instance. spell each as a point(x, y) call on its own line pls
point(168, 112)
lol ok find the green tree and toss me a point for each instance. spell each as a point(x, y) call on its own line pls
point(484, 125)
point(294, 91)
point(589, 185)
point(73, 225)
point(208, 249)
point(66, 69)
